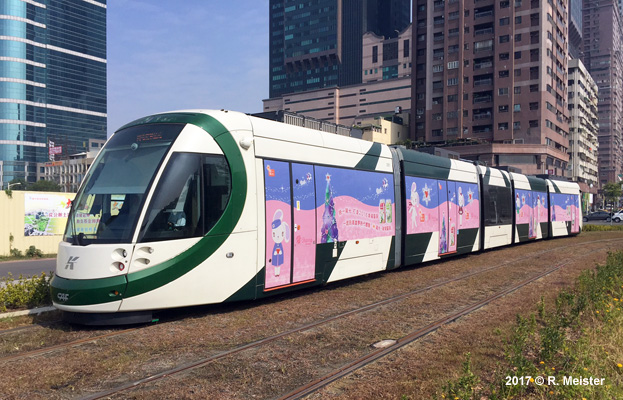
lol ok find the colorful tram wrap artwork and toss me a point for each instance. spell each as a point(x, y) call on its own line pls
point(202, 207)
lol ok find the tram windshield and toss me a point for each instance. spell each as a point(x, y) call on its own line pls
point(108, 204)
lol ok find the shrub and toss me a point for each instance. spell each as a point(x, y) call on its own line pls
point(25, 292)
point(16, 253)
point(34, 252)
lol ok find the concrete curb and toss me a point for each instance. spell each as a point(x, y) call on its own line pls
point(31, 311)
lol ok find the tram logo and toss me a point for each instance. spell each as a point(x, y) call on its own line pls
point(70, 262)
point(62, 297)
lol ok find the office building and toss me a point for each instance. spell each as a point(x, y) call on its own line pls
point(602, 57)
point(386, 85)
point(575, 28)
point(52, 82)
point(583, 128)
point(318, 44)
point(490, 76)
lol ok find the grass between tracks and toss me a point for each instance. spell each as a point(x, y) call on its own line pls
point(578, 337)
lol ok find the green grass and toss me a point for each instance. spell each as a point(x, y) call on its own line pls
point(581, 336)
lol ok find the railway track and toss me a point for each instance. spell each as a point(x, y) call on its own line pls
point(115, 333)
point(368, 357)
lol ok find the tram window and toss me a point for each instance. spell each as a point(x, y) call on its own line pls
point(497, 205)
point(189, 199)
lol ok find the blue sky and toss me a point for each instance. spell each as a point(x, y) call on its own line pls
point(172, 55)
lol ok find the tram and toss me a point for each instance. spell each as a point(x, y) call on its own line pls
point(202, 207)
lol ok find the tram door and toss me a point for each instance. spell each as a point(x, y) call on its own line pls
point(448, 217)
point(290, 224)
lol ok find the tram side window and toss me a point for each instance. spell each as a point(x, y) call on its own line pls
point(497, 205)
point(190, 197)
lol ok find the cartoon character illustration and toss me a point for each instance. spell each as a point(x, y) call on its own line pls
point(415, 204)
point(461, 205)
point(517, 203)
point(281, 232)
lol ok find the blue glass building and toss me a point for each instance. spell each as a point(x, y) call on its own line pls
point(52, 81)
point(318, 43)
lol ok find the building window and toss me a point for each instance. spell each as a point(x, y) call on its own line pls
point(518, 20)
point(503, 109)
point(502, 91)
point(503, 74)
point(453, 64)
point(453, 81)
point(518, 37)
point(517, 90)
point(504, 56)
point(517, 108)
point(517, 55)
point(504, 21)
point(503, 126)
point(438, 68)
point(516, 125)
point(504, 39)
point(534, 106)
point(453, 98)
point(375, 54)
point(406, 48)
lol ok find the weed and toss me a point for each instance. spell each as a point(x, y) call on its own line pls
point(465, 386)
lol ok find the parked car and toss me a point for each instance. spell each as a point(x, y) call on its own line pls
point(599, 216)
point(618, 216)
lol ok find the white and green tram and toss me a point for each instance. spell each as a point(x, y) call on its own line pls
point(203, 207)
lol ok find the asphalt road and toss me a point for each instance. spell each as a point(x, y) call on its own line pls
point(27, 267)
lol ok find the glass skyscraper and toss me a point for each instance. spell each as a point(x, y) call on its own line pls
point(318, 43)
point(52, 81)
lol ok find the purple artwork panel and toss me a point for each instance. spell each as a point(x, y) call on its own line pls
point(304, 228)
point(525, 210)
point(278, 223)
point(469, 205)
point(566, 207)
point(353, 204)
point(422, 203)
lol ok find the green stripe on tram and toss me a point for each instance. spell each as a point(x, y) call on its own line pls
point(97, 291)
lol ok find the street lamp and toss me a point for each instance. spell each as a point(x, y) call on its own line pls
point(13, 184)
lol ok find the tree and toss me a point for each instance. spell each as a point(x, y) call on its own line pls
point(45, 186)
point(612, 192)
point(23, 185)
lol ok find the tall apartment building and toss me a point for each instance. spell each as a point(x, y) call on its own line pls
point(491, 76)
point(318, 44)
point(52, 81)
point(602, 30)
point(583, 128)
